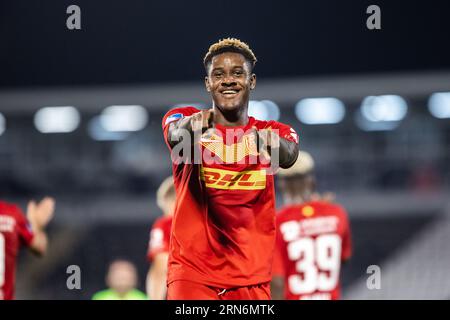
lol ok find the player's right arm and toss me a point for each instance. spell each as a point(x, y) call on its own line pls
point(186, 124)
point(39, 215)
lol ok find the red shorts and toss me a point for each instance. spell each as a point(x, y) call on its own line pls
point(187, 290)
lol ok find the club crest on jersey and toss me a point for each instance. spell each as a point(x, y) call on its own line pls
point(233, 180)
point(173, 117)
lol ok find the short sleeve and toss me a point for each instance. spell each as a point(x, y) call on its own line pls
point(284, 131)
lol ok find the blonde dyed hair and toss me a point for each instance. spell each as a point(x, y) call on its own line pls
point(229, 45)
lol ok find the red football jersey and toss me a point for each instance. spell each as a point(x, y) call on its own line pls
point(159, 237)
point(223, 231)
point(312, 240)
point(14, 232)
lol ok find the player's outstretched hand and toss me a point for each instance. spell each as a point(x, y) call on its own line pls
point(202, 121)
point(39, 214)
point(266, 141)
point(195, 125)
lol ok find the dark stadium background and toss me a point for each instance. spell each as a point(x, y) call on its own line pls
point(394, 183)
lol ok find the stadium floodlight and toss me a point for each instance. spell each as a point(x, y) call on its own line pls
point(57, 119)
point(320, 110)
point(384, 108)
point(263, 110)
point(439, 105)
point(381, 113)
point(124, 118)
point(2, 124)
point(98, 133)
point(367, 125)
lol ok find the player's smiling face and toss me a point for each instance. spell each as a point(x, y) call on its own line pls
point(230, 80)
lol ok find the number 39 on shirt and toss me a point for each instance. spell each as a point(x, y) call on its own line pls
point(317, 263)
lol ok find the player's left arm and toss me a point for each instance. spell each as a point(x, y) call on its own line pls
point(288, 151)
point(282, 139)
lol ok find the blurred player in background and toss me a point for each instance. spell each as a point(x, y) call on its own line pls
point(17, 231)
point(158, 248)
point(313, 238)
point(121, 279)
point(223, 229)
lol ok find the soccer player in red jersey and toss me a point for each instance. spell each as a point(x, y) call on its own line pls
point(313, 238)
point(15, 231)
point(158, 248)
point(223, 230)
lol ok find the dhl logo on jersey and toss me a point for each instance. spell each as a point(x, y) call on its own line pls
point(232, 153)
point(233, 180)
